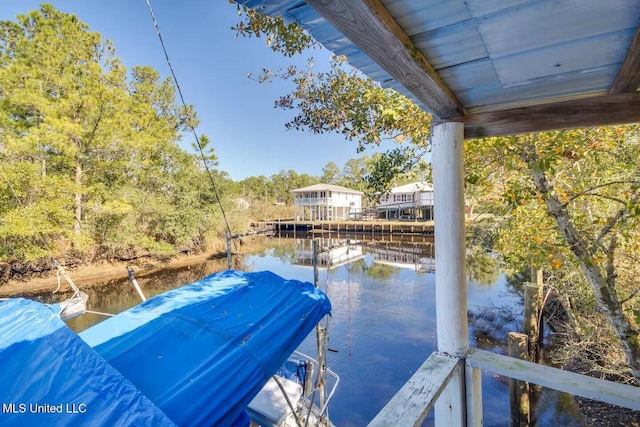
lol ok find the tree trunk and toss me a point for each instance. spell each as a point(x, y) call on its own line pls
point(606, 297)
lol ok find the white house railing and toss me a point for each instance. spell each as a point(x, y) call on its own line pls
point(405, 205)
point(312, 201)
point(411, 200)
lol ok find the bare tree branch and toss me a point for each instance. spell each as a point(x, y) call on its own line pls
point(588, 191)
point(633, 294)
point(612, 223)
point(613, 199)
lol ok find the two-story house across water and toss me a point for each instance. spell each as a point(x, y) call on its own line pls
point(328, 202)
point(411, 201)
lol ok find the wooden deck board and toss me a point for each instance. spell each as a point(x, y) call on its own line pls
point(413, 402)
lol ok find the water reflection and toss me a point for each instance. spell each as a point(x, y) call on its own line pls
point(331, 252)
point(117, 295)
point(482, 267)
point(383, 323)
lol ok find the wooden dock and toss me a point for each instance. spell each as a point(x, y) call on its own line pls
point(360, 227)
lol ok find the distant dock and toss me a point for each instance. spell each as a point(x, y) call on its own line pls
point(359, 227)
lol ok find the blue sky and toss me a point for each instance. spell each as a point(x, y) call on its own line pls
point(237, 113)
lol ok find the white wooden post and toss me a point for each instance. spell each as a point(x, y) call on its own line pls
point(451, 288)
point(474, 396)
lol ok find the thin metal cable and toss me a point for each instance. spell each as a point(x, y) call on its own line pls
point(184, 104)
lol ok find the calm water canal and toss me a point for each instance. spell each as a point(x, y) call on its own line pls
point(383, 323)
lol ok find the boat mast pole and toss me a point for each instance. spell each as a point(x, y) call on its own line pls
point(320, 336)
point(314, 260)
point(228, 250)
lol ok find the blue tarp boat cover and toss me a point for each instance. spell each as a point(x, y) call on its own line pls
point(50, 377)
point(203, 351)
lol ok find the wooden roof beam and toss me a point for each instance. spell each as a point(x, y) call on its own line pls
point(628, 79)
point(369, 25)
point(596, 111)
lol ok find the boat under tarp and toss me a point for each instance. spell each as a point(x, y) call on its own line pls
point(202, 352)
point(50, 377)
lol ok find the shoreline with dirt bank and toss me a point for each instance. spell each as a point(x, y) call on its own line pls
point(95, 274)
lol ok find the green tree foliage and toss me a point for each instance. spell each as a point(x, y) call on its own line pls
point(342, 100)
point(89, 153)
point(286, 38)
point(331, 174)
point(345, 102)
point(61, 90)
point(276, 188)
point(353, 174)
point(570, 200)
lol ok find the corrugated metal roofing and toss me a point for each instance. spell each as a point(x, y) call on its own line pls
point(495, 54)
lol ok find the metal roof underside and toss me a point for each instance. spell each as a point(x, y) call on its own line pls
point(326, 187)
point(499, 66)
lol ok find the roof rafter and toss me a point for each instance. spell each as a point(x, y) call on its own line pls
point(628, 79)
point(372, 28)
point(588, 112)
